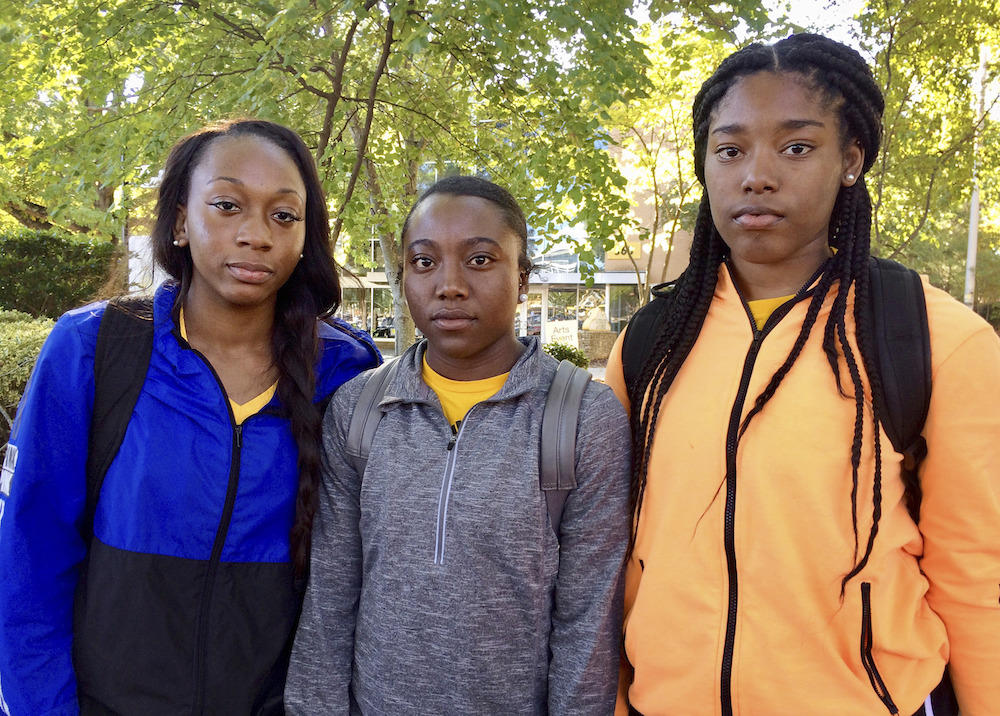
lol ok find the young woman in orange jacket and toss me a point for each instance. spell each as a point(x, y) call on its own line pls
point(774, 567)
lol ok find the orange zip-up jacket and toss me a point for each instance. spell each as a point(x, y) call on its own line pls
point(767, 551)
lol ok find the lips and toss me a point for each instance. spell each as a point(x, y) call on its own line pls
point(452, 319)
point(249, 272)
point(757, 217)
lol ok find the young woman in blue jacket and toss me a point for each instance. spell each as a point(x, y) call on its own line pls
point(184, 598)
point(440, 582)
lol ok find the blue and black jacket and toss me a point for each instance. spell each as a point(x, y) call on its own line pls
point(188, 603)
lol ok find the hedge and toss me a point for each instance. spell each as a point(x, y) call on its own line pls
point(46, 274)
point(564, 351)
point(21, 338)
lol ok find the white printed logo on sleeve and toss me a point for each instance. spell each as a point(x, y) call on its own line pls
point(7, 473)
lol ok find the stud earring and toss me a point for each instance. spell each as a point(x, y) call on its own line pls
point(522, 298)
point(301, 255)
point(176, 242)
point(849, 177)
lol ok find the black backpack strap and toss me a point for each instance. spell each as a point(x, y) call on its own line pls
point(121, 359)
point(366, 415)
point(641, 333)
point(902, 342)
point(557, 451)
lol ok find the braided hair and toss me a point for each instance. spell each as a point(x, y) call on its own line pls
point(844, 81)
point(311, 292)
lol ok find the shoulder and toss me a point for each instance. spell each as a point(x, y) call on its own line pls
point(344, 352)
point(954, 326)
point(601, 409)
point(74, 335)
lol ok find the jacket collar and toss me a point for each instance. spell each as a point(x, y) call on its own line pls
point(408, 385)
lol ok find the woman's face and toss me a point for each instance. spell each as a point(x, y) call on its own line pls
point(774, 164)
point(461, 279)
point(244, 221)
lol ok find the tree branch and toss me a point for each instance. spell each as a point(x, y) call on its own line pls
point(362, 141)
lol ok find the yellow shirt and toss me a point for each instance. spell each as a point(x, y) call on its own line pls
point(240, 411)
point(762, 308)
point(458, 396)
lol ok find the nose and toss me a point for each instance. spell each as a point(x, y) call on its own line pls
point(760, 174)
point(452, 281)
point(255, 232)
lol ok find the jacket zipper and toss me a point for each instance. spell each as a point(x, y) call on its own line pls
point(729, 516)
point(443, 497)
point(867, 660)
point(220, 540)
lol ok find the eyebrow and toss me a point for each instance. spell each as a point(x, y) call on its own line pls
point(234, 180)
point(471, 241)
point(787, 124)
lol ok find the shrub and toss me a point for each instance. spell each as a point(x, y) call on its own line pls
point(46, 274)
point(21, 338)
point(562, 351)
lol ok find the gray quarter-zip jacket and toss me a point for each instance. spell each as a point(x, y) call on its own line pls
point(438, 585)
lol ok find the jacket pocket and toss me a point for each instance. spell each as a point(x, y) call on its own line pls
point(866, 650)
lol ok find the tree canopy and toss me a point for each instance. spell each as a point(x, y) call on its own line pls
point(391, 94)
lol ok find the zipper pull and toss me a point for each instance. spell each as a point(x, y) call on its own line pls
point(451, 443)
point(238, 434)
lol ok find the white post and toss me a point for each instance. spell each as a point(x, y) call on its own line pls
point(979, 81)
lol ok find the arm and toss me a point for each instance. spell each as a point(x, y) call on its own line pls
point(960, 516)
point(587, 612)
point(319, 675)
point(42, 499)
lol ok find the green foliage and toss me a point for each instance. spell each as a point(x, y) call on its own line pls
point(922, 180)
point(21, 338)
point(45, 274)
point(563, 351)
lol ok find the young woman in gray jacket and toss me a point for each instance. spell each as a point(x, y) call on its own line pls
point(438, 583)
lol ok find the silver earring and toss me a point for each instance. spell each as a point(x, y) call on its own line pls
point(301, 255)
point(522, 298)
point(176, 242)
point(849, 177)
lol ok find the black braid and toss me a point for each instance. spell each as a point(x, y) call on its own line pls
point(843, 79)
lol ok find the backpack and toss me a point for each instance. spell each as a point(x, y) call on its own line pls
point(557, 450)
point(121, 359)
point(903, 352)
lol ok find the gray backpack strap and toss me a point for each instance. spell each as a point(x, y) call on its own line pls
point(557, 455)
point(366, 415)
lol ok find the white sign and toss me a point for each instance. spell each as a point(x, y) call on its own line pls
point(562, 332)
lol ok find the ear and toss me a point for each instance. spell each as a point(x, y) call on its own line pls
point(180, 225)
point(854, 160)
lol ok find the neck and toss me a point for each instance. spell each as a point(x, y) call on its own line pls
point(496, 359)
point(215, 325)
point(764, 280)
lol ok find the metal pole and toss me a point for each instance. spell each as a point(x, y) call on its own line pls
point(970, 256)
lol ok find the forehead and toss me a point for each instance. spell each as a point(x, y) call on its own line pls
point(769, 99)
point(446, 218)
point(251, 160)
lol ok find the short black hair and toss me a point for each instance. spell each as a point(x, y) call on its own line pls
point(468, 185)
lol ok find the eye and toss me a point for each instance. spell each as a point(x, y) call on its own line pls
point(285, 217)
point(798, 149)
point(481, 260)
point(421, 262)
point(727, 152)
point(225, 205)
